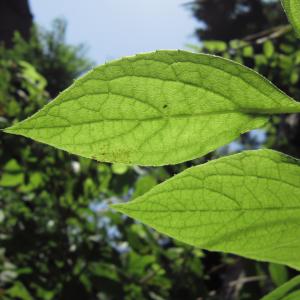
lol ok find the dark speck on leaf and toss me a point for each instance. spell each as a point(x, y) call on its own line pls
point(165, 106)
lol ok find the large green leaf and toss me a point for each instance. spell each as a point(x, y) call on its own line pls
point(292, 9)
point(247, 204)
point(288, 291)
point(156, 108)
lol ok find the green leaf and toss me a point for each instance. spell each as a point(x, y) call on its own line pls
point(103, 269)
point(247, 204)
point(119, 169)
point(292, 9)
point(288, 291)
point(215, 46)
point(18, 290)
point(156, 108)
point(279, 273)
point(12, 174)
point(248, 51)
point(143, 185)
point(293, 296)
point(268, 49)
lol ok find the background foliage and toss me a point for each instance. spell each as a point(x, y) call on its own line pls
point(58, 240)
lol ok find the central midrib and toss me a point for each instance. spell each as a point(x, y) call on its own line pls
point(252, 209)
point(149, 119)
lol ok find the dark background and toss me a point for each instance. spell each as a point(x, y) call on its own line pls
point(58, 239)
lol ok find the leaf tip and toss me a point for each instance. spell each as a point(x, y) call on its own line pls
point(11, 130)
point(8, 130)
point(124, 208)
point(120, 207)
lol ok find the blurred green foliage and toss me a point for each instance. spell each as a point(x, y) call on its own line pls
point(59, 240)
point(48, 52)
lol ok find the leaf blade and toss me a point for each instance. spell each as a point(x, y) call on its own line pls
point(285, 291)
point(236, 204)
point(292, 9)
point(150, 109)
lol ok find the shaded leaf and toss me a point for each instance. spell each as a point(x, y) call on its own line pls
point(19, 291)
point(12, 174)
point(119, 169)
point(288, 291)
point(268, 49)
point(143, 185)
point(279, 274)
point(292, 9)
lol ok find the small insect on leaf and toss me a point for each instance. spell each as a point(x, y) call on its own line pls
point(157, 108)
point(247, 204)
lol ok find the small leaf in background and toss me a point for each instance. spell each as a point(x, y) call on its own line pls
point(268, 49)
point(30, 74)
point(288, 291)
point(139, 263)
point(294, 77)
point(119, 169)
point(35, 181)
point(12, 174)
point(292, 9)
point(279, 274)
point(157, 108)
point(19, 291)
point(260, 60)
point(143, 185)
point(247, 204)
point(297, 57)
point(248, 51)
point(101, 269)
point(236, 44)
point(215, 46)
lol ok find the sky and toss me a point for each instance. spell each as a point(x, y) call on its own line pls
point(115, 28)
